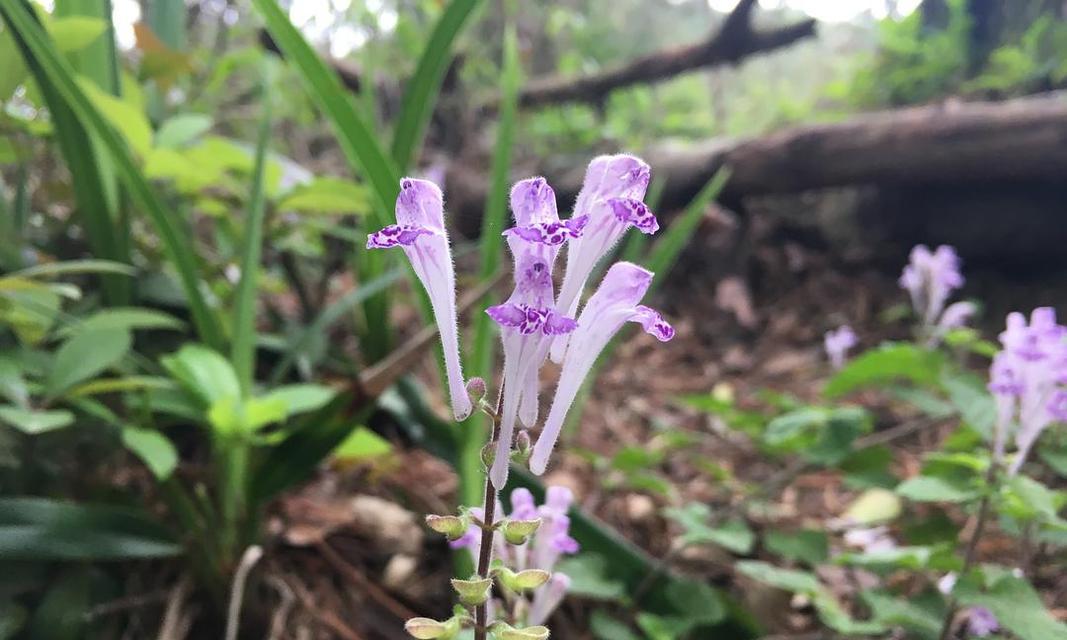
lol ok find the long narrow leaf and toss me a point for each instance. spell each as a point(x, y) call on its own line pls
point(47, 63)
point(419, 97)
point(244, 313)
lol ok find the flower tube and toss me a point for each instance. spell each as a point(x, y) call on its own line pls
point(614, 303)
point(420, 232)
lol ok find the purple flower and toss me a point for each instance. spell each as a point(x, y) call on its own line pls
point(529, 319)
point(981, 622)
point(420, 232)
point(614, 303)
point(547, 597)
point(930, 278)
point(837, 343)
point(1027, 379)
point(611, 201)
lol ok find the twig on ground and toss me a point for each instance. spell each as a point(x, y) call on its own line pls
point(176, 618)
point(374, 591)
point(326, 618)
point(240, 578)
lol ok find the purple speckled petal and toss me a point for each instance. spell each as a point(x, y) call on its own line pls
point(420, 232)
point(507, 315)
point(636, 213)
point(653, 323)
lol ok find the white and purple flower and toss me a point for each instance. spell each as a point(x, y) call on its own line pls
point(837, 342)
point(420, 232)
point(930, 278)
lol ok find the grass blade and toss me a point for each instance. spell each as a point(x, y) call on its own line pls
point(419, 97)
point(48, 65)
point(355, 137)
point(244, 313)
point(491, 249)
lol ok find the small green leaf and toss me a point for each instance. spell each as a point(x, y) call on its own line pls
point(203, 372)
point(935, 489)
point(182, 129)
point(808, 546)
point(326, 195)
point(588, 573)
point(128, 318)
point(85, 355)
point(33, 422)
point(301, 398)
point(892, 361)
point(786, 579)
point(362, 444)
point(873, 506)
point(605, 627)
point(74, 33)
point(153, 448)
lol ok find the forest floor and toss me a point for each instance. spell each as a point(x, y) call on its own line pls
point(353, 553)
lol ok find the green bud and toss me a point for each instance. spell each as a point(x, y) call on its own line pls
point(519, 531)
point(488, 454)
point(451, 526)
point(523, 580)
point(429, 629)
point(473, 592)
point(504, 631)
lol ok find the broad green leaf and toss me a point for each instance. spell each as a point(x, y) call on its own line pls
point(786, 579)
point(182, 129)
point(301, 398)
point(29, 312)
point(734, 535)
point(12, 70)
point(326, 195)
point(873, 506)
point(696, 601)
point(125, 117)
point(128, 318)
point(605, 627)
point(84, 355)
point(890, 362)
point(230, 416)
point(203, 372)
point(153, 448)
point(32, 421)
point(922, 616)
point(1024, 498)
point(935, 489)
point(1016, 605)
point(362, 444)
point(657, 627)
point(43, 529)
point(967, 393)
point(589, 577)
point(12, 384)
point(74, 33)
point(808, 546)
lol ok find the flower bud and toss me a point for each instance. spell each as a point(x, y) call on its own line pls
point(473, 592)
point(504, 631)
point(523, 448)
point(476, 390)
point(519, 531)
point(429, 629)
point(453, 527)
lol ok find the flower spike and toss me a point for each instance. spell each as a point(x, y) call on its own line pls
point(610, 202)
point(420, 232)
point(614, 303)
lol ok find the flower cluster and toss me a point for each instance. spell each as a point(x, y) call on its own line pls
point(535, 324)
point(1028, 378)
point(930, 278)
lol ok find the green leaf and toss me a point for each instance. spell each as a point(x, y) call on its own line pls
point(243, 346)
point(362, 444)
point(118, 385)
point(663, 627)
point(126, 318)
point(890, 362)
point(182, 129)
point(32, 421)
point(204, 373)
point(935, 489)
point(967, 393)
point(75, 267)
point(589, 577)
point(175, 242)
point(84, 355)
point(1024, 498)
point(697, 601)
point(419, 95)
point(42, 529)
point(873, 506)
point(785, 579)
point(734, 535)
point(153, 448)
point(75, 33)
point(808, 546)
point(326, 195)
point(912, 558)
point(1016, 605)
point(301, 398)
point(12, 384)
point(605, 627)
point(125, 117)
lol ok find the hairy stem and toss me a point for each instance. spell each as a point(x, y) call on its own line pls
point(972, 549)
point(485, 550)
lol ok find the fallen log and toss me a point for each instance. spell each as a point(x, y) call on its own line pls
point(735, 40)
point(951, 143)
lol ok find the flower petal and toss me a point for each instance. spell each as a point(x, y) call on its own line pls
point(614, 303)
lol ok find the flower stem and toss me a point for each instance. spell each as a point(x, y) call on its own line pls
point(972, 549)
point(485, 550)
